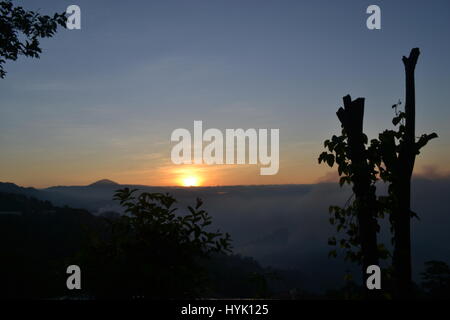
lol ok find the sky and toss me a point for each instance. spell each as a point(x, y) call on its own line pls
point(102, 102)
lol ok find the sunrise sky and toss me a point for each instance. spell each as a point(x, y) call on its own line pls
point(103, 101)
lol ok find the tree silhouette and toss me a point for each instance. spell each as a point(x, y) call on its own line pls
point(398, 159)
point(21, 31)
point(391, 158)
point(356, 167)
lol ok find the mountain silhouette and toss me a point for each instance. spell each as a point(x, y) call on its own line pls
point(104, 182)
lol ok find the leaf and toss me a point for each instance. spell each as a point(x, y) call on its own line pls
point(323, 156)
point(330, 160)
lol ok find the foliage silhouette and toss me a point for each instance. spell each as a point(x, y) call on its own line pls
point(21, 31)
point(151, 252)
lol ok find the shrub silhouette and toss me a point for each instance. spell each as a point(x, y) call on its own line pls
point(151, 252)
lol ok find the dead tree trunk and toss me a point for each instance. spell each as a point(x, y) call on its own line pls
point(351, 118)
point(402, 213)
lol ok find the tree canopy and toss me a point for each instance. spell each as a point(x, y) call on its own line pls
point(21, 31)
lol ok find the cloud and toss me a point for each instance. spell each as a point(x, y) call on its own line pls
point(432, 172)
point(330, 176)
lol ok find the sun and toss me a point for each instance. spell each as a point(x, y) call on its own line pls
point(188, 177)
point(190, 181)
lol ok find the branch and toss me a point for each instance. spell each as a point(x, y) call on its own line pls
point(411, 61)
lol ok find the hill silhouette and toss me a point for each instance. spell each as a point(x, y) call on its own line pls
point(104, 182)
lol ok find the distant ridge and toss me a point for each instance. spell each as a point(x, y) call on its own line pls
point(10, 187)
point(104, 182)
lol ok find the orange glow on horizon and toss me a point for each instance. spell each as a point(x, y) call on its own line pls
point(188, 176)
point(190, 181)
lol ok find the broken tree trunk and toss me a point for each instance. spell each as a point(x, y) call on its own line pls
point(351, 118)
point(402, 214)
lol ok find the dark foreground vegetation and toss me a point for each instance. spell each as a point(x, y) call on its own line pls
point(38, 241)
